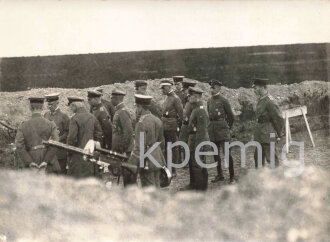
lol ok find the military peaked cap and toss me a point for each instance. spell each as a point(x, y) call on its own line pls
point(214, 82)
point(52, 97)
point(166, 82)
point(260, 82)
point(142, 99)
point(178, 78)
point(140, 83)
point(188, 83)
point(117, 92)
point(36, 99)
point(74, 99)
point(92, 94)
point(195, 90)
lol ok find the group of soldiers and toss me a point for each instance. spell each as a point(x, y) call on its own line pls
point(182, 117)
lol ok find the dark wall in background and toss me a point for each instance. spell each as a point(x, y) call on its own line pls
point(234, 65)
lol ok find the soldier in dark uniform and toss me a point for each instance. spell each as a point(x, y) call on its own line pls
point(172, 118)
point(221, 120)
point(122, 132)
point(108, 105)
point(62, 121)
point(101, 114)
point(83, 127)
point(141, 88)
point(197, 126)
point(269, 121)
point(30, 135)
point(151, 126)
point(178, 82)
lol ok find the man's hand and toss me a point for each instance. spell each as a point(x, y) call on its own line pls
point(33, 165)
point(43, 165)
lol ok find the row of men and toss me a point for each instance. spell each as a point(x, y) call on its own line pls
point(182, 117)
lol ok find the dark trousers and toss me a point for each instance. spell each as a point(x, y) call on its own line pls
point(172, 136)
point(198, 175)
point(217, 158)
point(265, 155)
point(129, 178)
point(150, 178)
point(63, 163)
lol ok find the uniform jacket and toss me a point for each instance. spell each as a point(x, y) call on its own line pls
point(172, 112)
point(122, 130)
point(83, 127)
point(180, 94)
point(184, 132)
point(29, 139)
point(62, 121)
point(109, 107)
point(221, 118)
point(197, 126)
point(103, 117)
point(269, 119)
point(151, 126)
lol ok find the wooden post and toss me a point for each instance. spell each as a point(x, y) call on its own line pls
point(307, 125)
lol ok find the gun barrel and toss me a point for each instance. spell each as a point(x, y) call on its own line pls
point(67, 147)
point(110, 152)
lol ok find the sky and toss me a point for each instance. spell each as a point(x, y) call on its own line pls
point(32, 28)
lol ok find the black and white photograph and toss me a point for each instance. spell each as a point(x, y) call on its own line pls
point(164, 120)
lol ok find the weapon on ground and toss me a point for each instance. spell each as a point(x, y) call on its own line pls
point(110, 158)
point(10, 130)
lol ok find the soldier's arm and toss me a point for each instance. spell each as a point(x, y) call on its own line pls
point(179, 109)
point(229, 113)
point(21, 148)
point(72, 138)
point(135, 155)
point(275, 117)
point(51, 151)
point(127, 127)
point(98, 133)
point(65, 126)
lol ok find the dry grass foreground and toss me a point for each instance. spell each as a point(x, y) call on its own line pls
point(264, 206)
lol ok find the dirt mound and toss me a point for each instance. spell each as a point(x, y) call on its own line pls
point(263, 206)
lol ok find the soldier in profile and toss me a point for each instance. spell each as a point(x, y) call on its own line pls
point(178, 82)
point(269, 120)
point(83, 127)
point(62, 121)
point(102, 115)
point(107, 104)
point(30, 135)
point(151, 127)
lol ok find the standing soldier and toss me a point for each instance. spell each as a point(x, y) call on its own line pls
point(172, 118)
point(101, 114)
point(197, 126)
point(29, 139)
point(141, 88)
point(178, 82)
point(269, 120)
point(62, 121)
point(221, 120)
point(109, 107)
point(83, 127)
point(122, 132)
point(151, 127)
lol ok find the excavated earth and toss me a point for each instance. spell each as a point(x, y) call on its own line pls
point(264, 205)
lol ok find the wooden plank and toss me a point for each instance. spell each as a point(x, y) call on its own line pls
point(293, 112)
point(309, 131)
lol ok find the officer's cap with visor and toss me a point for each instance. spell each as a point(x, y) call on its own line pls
point(52, 97)
point(144, 100)
point(140, 83)
point(261, 82)
point(117, 92)
point(177, 79)
point(188, 83)
point(166, 82)
point(214, 83)
point(93, 93)
point(195, 90)
point(74, 99)
point(36, 100)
